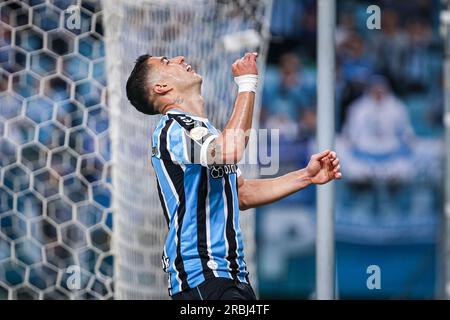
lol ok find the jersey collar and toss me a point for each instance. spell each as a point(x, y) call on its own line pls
point(174, 111)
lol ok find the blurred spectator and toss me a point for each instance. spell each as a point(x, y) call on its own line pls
point(307, 124)
point(287, 127)
point(355, 67)
point(356, 63)
point(286, 17)
point(309, 33)
point(416, 57)
point(389, 46)
point(378, 135)
point(345, 28)
point(287, 88)
point(416, 8)
point(302, 131)
point(284, 27)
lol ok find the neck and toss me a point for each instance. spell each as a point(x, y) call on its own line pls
point(192, 104)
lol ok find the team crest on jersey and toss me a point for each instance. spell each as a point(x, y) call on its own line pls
point(198, 132)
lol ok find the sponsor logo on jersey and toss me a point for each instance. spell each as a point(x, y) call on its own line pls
point(220, 171)
point(212, 264)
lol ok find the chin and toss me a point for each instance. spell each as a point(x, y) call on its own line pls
point(198, 78)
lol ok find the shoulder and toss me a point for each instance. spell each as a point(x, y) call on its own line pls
point(161, 126)
point(192, 124)
point(175, 124)
point(167, 127)
point(168, 123)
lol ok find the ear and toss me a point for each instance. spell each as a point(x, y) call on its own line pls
point(161, 89)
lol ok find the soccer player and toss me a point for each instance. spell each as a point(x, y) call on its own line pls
point(199, 184)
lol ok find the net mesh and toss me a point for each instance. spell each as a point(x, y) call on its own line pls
point(210, 35)
point(55, 217)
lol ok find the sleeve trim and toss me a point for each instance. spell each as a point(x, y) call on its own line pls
point(204, 149)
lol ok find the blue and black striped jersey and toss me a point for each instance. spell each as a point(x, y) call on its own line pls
point(199, 202)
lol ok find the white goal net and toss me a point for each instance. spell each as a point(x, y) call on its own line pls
point(210, 34)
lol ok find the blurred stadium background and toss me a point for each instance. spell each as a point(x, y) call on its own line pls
point(56, 181)
point(387, 214)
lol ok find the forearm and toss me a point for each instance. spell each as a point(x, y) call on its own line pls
point(233, 140)
point(230, 145)
point(241, 117)
point(257, 192)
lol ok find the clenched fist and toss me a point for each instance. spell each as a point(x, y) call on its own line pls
point(245, 65)
point(324, 167)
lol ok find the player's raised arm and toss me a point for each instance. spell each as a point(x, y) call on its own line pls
point(230, 145)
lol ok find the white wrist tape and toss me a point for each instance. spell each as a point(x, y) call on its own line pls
point(247, 82)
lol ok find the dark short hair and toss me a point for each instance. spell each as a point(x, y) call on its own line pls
point(137, 86)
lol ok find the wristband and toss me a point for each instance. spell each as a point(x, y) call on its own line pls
point(247, 82)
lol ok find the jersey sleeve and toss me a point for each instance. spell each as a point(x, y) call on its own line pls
point(188, 140)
